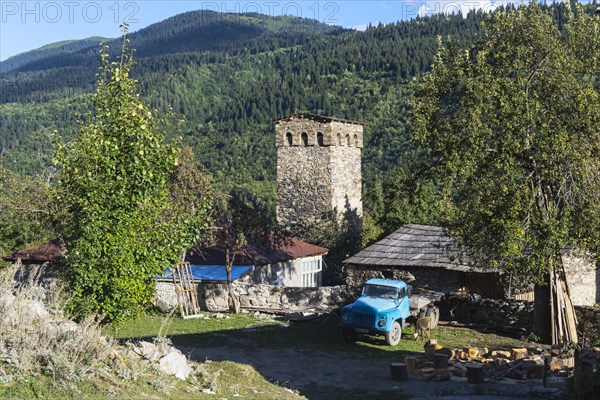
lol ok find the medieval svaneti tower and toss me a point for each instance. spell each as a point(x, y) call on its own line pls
point(318, 170)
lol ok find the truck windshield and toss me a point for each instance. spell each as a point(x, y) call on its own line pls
point(385, 292)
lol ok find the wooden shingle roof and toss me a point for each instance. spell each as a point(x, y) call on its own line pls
point(413, 245)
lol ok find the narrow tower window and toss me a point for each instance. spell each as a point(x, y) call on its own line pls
point(348, 140)
point(320, 139)
point(340, 140)
point(305, 138)
point(356, 140)
point(289, 138)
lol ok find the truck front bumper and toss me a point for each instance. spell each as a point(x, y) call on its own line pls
point(365, 331)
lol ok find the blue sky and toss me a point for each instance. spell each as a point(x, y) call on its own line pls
point(26, 25)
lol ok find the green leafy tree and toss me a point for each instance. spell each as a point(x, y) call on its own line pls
point(239, 227)
point(133, 203)
point(24, 217)
point(514, 122)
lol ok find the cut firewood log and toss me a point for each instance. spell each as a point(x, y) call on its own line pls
point(517, 354)
point(431, 347)
point(473, 352)
point(440, 361)
point(398, 372)
point(411, 364)
point(447, 351)
point(474, 373)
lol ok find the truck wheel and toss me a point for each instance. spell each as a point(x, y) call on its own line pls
point(350, 336)
point(433, 312)
point(392, 337)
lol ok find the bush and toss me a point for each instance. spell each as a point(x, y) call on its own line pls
point(37, 338)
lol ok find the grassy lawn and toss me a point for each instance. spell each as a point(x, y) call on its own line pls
point(274, 333)
point(226, 379)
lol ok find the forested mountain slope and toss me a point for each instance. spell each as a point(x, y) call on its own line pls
point(53, 49)
point(229, 76)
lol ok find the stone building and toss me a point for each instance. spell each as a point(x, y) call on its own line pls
point(318, 170)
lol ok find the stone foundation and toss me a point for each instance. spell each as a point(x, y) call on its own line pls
point(507, 315)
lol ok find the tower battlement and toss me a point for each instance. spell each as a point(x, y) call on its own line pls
point(318, 169)
point(289, 131)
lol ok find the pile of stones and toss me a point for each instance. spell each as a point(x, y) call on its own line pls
point(167, 359)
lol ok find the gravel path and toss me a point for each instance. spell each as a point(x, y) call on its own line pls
point(316, 374)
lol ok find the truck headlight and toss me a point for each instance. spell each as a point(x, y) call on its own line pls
point(381, 322)
point(345, 317)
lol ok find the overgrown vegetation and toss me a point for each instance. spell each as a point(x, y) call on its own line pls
point(513, 123)
point(43, 354)
point(24, 218)
point(130, 202)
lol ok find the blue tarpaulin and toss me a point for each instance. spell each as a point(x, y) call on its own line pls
point(212, 272)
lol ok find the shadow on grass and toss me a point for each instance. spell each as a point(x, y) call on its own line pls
point(310, 357)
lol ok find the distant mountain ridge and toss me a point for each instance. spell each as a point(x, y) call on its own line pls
point(49, 50)
point(193, 31)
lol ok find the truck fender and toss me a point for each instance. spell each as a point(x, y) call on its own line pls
point(395, 315)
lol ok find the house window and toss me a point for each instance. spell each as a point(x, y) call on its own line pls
point(320, 139)
point(311, 272)
point(289, 138)
point(305, 138)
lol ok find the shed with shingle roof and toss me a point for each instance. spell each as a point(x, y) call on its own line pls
point(425, 256)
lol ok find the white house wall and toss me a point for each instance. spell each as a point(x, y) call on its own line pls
point(287, 273)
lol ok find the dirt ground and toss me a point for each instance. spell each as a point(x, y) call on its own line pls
point(335, 374)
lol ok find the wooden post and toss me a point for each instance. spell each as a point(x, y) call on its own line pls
point(540, 371)
point(440, 361)
point(474, 373)
point(411, 364)
point(546, 362)
point(398, 372)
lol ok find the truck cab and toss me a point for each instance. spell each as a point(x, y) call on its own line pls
point(382, 309)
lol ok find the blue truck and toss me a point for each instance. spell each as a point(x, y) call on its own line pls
point(386, 307)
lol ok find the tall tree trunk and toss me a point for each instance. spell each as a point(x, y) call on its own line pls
point(233, 301)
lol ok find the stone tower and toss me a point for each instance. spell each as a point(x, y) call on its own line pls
point(318, 170)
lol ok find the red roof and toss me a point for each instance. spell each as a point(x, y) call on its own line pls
point(255, 254)
point(42, 253)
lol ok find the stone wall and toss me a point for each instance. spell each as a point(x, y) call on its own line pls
point(346, 181)
point(504, 315)
point(513, 316)
point(318, 176)
point(303, 186)
point(589, 323)
point(268, 298)
point(583, 277)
